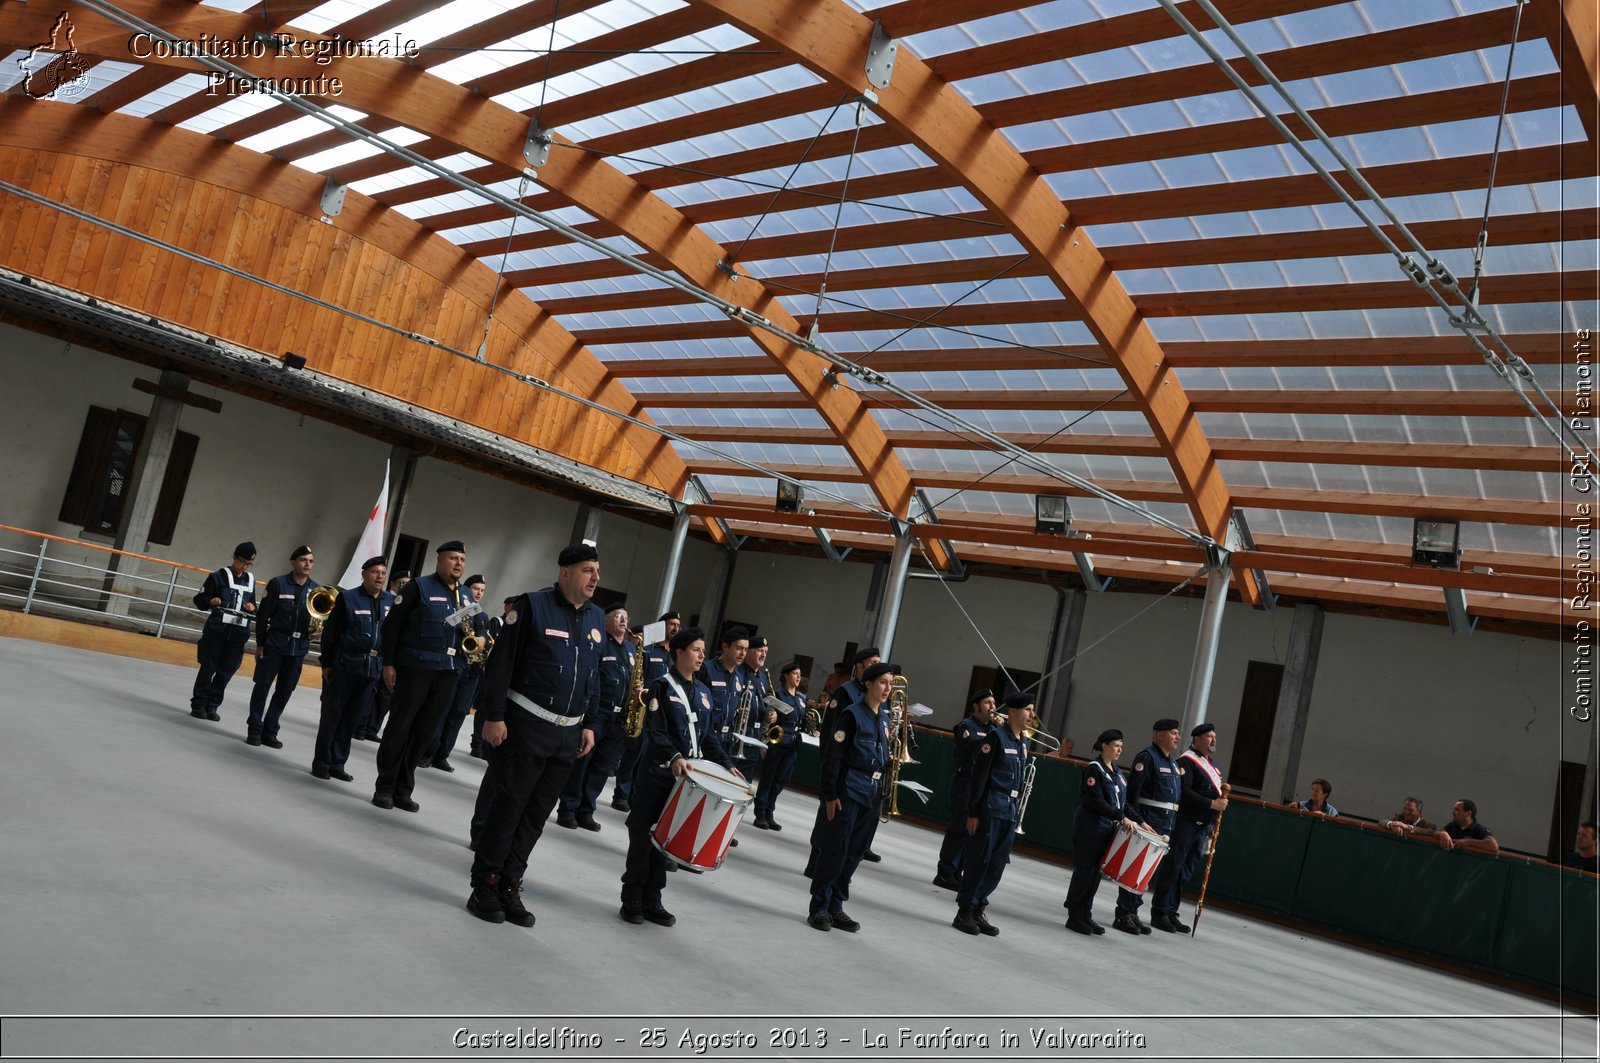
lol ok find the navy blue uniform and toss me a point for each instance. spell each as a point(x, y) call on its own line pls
point(1194, 819)
point(424, 650)
point(352, 666)
point(1153, 801)
point(589, 775)
point(855, 755)
point(657, 659)
point(966, 736)
point(543, 682)
point(1102, 797)
point(778, 765)
point(223, 638)
point(748, 759)
point(283, 635)
point(676, 725)
point(726, 688)
point(468, 676)
point(994, 799)
point(845, 695)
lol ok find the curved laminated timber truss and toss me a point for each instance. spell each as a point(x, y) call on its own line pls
point(927, 259)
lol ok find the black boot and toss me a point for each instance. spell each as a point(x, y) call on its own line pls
point(510, 897)
point(485, 900)
point(1126, 922)
point(965, 922)
point(986, 928)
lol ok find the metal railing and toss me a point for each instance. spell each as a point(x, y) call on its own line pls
point(54, 576)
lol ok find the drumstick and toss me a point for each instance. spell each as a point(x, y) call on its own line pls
point(1205, 880)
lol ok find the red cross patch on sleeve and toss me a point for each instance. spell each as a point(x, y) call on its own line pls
point(1089, 781)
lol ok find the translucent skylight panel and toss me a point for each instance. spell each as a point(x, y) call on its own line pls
point(100, 76)
point(1386, 15)
point(231, 109)
point(231, 5)
point(298, 129)
point(166, 96)
point(776, 419)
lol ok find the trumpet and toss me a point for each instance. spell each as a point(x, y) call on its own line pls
point(1052, 744)
point(319, 605)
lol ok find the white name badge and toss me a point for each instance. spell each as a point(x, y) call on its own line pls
point(554, 633)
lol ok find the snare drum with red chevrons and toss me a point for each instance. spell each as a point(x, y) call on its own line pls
point(704, 809)
point(1132, 858)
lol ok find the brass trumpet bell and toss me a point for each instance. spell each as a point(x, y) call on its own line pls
point(319, 605)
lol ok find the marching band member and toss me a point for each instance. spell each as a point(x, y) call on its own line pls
point(657, 659)
point(352, 664)
point(368, 726)
point(722, 677)
point(676, 731)
point(778, 764)
point(1103, 794)
point(589, 774)
point(748, 758)
point(1200, 801)
point(965, 737)
point(540, 705)
point(421, 665)
point(845, 695)
point(228, 596)
point(854, 757)
point(283, 638)
point(468, 675)
point(495, 625)
point(993, 808)
point(1152, 801)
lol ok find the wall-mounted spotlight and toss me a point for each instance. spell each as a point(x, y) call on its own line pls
point(1436, 543)
point(790, 495)
point(1050, 515)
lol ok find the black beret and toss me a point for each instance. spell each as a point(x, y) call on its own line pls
point(299, 552)
point(979, 695)
point(1205, 728)
point(511, 600)
point(374, 562)
point(402, 574)
point(449, 546)
point(1112, 735)
point(1166, 723)
point(470, 580)
point(664, 617)
point(758, 642)
point(1019, 701)
point(792, 666)
point(862, 655)
point(245, 550)
point(618, 608)
point(686, 638)
point(881, 668)
point(577, 554)
point(734, 634)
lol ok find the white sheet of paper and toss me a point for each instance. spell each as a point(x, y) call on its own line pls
point(916, 788)
point(919, 709)
point(654, 633)
point(469, 610)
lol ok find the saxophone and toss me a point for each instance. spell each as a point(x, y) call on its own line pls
point(899, 746)
point(633, 719)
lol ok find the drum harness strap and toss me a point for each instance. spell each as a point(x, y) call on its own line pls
point(542, 712)
point(688, 707)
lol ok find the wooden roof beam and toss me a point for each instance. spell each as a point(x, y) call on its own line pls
point(1573, 29)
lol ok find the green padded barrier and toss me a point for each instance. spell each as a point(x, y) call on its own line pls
point(1259, 854)
point(1548, 928)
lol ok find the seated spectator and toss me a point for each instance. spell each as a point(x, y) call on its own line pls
point(1318, 801)
point(1586, 857)
point(1410, 820)
point(1465, 832)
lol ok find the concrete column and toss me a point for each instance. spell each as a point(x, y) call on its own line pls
point(144, 488)
point(403, 461)
point(874, 607)
point(1205, 649)
point(893, 591)
point(716, 600)
point(586, 526)
point(1294, 704)
point(1065, 631)
point(669, 573)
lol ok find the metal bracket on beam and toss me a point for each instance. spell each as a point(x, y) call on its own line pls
point(536, 150)
point(1455, 607)
point(332, 199)
point(1239, 538)
point(1091, 578)
point(833, 552)
point(881, 51)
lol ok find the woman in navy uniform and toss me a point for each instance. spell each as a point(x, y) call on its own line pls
point(966, 736)
point(994, 805)
point(229, 595)
point(778, 764)
point(854, 757)
point(283, 638)
point(1102, 796)
point(677, 730)
point(352, 662)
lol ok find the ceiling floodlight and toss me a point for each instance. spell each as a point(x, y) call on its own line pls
point(1436, 543)
point(790, 495)
point(1050, 515)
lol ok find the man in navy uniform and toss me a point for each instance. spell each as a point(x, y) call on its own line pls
point(541, 706)
point(368, 726)
point(994, 803)
point(778, 765)
point(1153, 787)
point(965, 736)
point(845, 695)
point(855, 755)
point(748, 758)
point(657, 659)
point(352, 663)
point(283, 638)
point(726, 682)
point(437, 753)
point(1200, 800)
point(589, 775)
point(495, 626)
point(229, 596)
point(422, 659)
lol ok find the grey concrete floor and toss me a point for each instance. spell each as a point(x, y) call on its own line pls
point(155, 865)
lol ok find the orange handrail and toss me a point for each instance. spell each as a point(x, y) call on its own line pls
point(111, 550)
